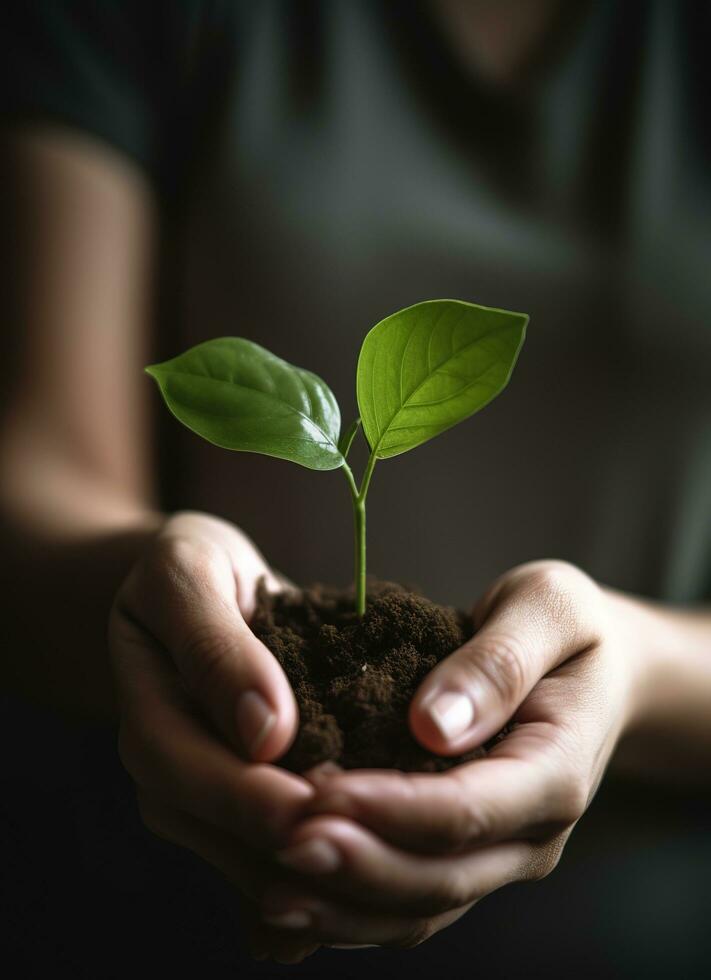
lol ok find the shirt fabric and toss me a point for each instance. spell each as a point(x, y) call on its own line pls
point(322, 165)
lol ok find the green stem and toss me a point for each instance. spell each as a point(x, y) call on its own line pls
point(358, 499)
point(366, 477)
point(348, 473)
point(359, 528)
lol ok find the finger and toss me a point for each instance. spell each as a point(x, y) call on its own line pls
point(535, 782)
point(307, 919)
point(242, 866)
point(269, 942)
point(350, 862)
point(511, 794)
point(543, 613)
point(282, 583)
point(283, 945)
point(244, 869)
point(284, 948)
point(319, 774)
point(168, 751)
point(193, 612)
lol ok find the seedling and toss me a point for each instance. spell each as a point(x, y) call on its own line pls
point(420, 371)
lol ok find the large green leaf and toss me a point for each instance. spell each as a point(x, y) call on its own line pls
point(429, 366)
point(238, 395)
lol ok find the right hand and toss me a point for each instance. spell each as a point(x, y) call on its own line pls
point(204, 705)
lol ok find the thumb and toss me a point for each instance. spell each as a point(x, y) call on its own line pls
point(535, 618)
point(193, 610)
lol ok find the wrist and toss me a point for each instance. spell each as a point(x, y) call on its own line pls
point(638, 629)
point(668, 652)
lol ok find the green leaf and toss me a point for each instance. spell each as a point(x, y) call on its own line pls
point(346, 440)
point(238, 395)
point(432, 365)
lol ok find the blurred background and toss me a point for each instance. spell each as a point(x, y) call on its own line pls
point(303, 169)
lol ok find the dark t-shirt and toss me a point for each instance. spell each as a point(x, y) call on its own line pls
point(322, 164)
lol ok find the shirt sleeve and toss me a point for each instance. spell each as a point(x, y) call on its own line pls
point(89, 64)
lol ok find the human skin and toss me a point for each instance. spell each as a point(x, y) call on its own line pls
point(391, 858)
point(383, 857)
point(577, 665)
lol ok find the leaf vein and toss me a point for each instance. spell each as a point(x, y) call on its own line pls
point(254, 391)
point(457, 353)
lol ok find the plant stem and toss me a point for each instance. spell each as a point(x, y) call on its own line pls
point(358, 499)
point(348, 473)
point(366, 477)
point(359, 528)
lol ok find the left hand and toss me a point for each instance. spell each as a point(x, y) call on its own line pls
point(389, 858)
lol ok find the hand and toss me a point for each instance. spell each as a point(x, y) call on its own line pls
point(389, 858)
point(204, 705)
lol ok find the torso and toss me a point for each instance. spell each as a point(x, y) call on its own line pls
point(338, 200)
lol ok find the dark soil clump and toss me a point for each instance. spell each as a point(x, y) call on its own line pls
point(354, 678)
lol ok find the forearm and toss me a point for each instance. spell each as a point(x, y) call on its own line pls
point(669, 730)
point(58, 579)
point(79, 222)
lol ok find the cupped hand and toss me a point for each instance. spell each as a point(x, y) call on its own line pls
point(389, 858)
point(204, 706)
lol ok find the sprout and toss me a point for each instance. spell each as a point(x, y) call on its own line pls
point(420, 371)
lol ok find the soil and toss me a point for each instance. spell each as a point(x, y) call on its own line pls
point(354, 678)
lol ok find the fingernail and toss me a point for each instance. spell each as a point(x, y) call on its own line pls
point(452, 713)
point(314, 856)
point(255, 719)
point(296, 919)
